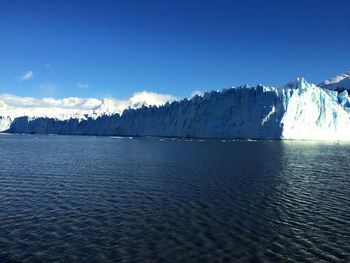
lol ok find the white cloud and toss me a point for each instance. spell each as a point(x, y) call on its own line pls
point(109, 105)
point(150, 98)
point(26, 76)
point(81, 85)
point(197, 92)
point(138, 99)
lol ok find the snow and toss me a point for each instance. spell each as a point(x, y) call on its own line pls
point(297, 111)
point(338, 83)
point(267, 117)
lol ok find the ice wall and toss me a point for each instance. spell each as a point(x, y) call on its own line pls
point(303, 111)
point(244, 112)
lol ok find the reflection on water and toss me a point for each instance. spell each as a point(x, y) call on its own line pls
point(100, 199)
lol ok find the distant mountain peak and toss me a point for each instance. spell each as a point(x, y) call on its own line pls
point(338, 83)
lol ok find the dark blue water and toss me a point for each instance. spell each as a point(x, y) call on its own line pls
point(100, 199)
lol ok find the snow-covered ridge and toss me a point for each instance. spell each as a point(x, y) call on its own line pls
point(338, 83)
point(300, 110)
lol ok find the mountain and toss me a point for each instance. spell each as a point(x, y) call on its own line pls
point(299, 110)
point(338, 83)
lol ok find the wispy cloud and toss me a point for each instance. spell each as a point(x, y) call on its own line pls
point(47, 102)
point(26, 76)
point(81, 85)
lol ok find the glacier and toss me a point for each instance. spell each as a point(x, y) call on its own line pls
point(315, 113)
point(297, 111)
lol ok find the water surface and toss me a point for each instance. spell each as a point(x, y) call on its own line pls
point(104, 199)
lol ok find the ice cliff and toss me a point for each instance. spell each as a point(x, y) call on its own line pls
point(298, 111)
point(313, 113)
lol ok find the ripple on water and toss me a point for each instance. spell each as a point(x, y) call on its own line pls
point(91, 199)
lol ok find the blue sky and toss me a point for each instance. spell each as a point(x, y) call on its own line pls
point(115, 48)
